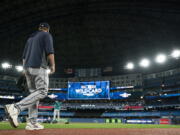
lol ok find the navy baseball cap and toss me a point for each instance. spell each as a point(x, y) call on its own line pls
point(44, 25)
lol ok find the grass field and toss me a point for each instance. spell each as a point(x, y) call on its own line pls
point(5, 125)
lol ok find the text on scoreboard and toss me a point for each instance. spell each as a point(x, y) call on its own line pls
point(88, 90)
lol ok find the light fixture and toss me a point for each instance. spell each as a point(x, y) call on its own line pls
point(144, 63)
point(161, 58)
point(175, 54)
point(6, 65)
point(19, 68)
point(130, 65)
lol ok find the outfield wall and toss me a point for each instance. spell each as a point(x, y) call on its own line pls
point(166, 121)
point(119, 114)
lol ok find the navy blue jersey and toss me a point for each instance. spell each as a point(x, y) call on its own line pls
point(38, 46)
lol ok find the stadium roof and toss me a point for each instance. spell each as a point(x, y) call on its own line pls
point(92, 33)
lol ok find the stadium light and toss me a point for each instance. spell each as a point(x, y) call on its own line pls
point(6, 65)
point(161, 58)
point(19, 68)
point(144, 63)
point(175, 54)
point(130, 66)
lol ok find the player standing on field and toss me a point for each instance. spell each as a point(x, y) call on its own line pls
point(57, 108)
point(37, 57)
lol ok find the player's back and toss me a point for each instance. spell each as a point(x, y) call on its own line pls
point(34, 52)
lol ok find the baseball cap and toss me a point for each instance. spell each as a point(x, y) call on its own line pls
point(45, 25)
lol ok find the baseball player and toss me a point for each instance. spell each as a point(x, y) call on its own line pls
point(38, 55)
point(57, 108)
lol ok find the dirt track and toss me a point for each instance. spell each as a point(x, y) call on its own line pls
point(159, 131)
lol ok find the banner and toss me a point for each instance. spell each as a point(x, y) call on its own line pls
point(88, 90)
point(164, 121)
point(119, 95)
point(140, 121)
point(125, 95)
point(162, 96)
point(59, 96)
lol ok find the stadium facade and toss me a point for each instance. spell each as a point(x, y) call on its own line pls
point(132, 98)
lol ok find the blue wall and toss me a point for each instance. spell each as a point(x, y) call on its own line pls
point(112, 114)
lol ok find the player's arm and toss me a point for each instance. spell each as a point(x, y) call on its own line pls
point(48, 41)
point(51, 62)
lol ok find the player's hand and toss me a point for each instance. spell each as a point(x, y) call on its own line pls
point(52, 68)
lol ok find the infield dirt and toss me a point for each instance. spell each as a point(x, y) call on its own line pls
point(154, 131)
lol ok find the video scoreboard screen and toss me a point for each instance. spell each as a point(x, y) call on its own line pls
point(88, 90)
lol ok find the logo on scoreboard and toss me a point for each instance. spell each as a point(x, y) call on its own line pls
point(88, 90)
